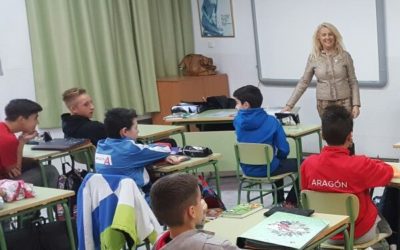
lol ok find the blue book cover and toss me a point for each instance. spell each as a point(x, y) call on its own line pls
point(282, 231)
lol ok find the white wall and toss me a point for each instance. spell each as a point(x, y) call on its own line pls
point(377, 127)
point(15, 54)
point(375, 130)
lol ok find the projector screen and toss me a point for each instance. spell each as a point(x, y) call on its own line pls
point(284, 30)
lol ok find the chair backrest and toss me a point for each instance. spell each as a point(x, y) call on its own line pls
point(254, 154)
point(333, 203)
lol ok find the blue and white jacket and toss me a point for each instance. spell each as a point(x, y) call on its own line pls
point(125, 157)
point(111, 207)
point(256, 126)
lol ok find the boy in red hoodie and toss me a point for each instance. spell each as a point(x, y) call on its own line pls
point(334, 170)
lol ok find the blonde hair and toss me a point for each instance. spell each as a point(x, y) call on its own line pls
point(70, 95)
point(317, 46)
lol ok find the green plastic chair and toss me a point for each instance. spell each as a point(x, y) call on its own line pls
point(85, 156)
point(259, 154)
point(341, 204)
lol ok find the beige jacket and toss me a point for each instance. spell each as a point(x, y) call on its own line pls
point(336, 79)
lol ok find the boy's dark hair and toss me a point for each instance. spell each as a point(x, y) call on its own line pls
point(171, 195)
point(21, 107)
point(117, 119)
point(250, 94)
point(337, 124)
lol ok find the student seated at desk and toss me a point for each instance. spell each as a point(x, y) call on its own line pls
point(176, 201)
point(78, 123)
point(335, 170)
point(120, 154)
point(253, 125)
point(21, 117)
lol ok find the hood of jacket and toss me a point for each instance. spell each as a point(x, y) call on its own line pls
point(251, 119)
point(71, 123)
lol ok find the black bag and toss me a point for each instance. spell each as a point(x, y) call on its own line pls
point(41, 236)
point(217, 102)
point(70, 181)
point(196, 151)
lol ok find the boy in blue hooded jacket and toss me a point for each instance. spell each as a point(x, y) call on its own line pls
point(253, 125)
point(119, 153)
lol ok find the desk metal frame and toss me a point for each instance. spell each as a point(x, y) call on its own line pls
point(148, 133)
point(35, 207)
point(192, 165)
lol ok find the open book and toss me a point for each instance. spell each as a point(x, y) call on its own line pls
point(282, 231)
point(242, 210)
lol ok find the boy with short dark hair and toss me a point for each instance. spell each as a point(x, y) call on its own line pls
point(353, 174)
point(253, 125)
point(78, 123)
point(120, 154)
point(21, 117)
point(176, 201)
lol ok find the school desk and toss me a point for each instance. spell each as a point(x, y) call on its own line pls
point(44, 198)
point(148, 133)
point(215, 116)
point(193, 164)
point(231, 228)
point(44, 157)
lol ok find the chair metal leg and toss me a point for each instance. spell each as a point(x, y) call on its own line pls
point(261, 194)
point(240, 191)
point(275, 198)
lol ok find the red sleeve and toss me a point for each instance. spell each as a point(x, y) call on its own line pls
point(376, 173)
point(8, 152)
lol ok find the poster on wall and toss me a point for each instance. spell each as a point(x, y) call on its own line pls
point(216, 18)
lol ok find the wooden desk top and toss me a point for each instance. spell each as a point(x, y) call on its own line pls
point(231, 228)
point(43, 196)
point(150, 130)
point(214, 115)
point(300, 130)
point(38, 155)
point(188, 164)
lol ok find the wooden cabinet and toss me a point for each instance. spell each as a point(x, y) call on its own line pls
point(173, 90)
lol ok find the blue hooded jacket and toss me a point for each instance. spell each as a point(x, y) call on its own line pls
point(125, 157)
point(254, 125)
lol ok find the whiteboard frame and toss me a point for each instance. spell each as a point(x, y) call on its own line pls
point(381, 36)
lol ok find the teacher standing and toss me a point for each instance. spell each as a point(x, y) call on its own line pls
point(333, 67)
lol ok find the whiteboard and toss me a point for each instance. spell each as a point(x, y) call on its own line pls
point(284, 30)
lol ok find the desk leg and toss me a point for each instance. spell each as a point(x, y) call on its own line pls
point(69, 225)
point(45, 184)
point(3, 245)
point(320, 140)
point(43, 174)
point(347, 244)
point(183, 139)
point(217, 180)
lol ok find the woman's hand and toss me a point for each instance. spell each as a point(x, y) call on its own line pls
point(286, 109)
point(355, 112)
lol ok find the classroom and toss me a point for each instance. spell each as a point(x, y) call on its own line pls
point(235, 54)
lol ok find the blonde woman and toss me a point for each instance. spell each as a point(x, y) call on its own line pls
point(333, 67)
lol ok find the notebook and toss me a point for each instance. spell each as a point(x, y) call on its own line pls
point(282, 231)
point(59, 144)
point(242, 210)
